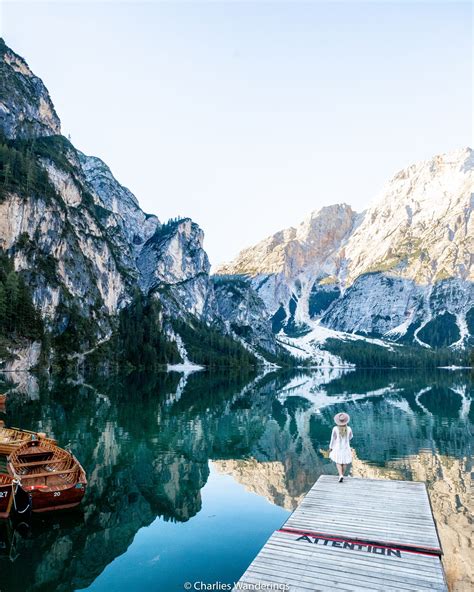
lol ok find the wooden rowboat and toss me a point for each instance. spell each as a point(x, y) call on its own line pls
point(12, 438)
point(53, 476)
point(5, 495)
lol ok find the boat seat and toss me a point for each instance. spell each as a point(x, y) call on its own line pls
point(46, 473)
point(37, 463)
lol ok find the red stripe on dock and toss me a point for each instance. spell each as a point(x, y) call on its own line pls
point(365, 542)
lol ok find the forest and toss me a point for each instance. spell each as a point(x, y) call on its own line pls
point(210, 347)
point(368, 355)
point(143, 341)
point(19, 320)
point(20, 171)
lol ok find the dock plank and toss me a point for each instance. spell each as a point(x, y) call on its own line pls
point(386, 518)
point(359, 535)
point(320, 564)
point(357, 565)
point(404, 565)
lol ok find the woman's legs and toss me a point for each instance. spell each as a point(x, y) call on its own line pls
point(340, 470)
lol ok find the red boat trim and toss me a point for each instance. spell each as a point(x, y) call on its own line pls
point(56, 508)
point(388, 545)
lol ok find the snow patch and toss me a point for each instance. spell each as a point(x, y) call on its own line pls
point(463, 331)
point(186, 366)
point(401, 330)
point(311, 345)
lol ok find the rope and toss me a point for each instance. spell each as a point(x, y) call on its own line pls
point(17, 483)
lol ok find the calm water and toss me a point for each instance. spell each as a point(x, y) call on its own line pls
point(189, 476)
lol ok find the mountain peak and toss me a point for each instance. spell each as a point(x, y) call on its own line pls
point(420, 225)
point(331, 210)
point(26, 109)
point(440, 164)
point(311, 243)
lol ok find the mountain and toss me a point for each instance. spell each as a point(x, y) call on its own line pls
point(84, 270)
point(93, 260)
point(399, 272)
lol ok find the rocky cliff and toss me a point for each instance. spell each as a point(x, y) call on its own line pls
point(402, 270)
point(285, 266)
point(26, 109)
point(81, 240)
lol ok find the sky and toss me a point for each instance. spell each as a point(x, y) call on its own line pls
point(247, 116)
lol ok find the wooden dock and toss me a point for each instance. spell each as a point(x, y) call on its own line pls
point(359, 535)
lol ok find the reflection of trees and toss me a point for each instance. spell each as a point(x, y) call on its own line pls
point(146, 441)
point(145, 446)
point(421, 429)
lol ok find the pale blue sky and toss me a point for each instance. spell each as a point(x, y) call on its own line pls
point(248, 116)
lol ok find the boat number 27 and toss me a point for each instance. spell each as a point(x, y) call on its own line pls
point(3, 494)
point(56, 494)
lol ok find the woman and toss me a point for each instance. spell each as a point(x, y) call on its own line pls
point(339, 450)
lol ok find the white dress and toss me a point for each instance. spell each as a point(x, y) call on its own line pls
point(341, 452)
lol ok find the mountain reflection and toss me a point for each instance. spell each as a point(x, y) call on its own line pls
point(146, 443)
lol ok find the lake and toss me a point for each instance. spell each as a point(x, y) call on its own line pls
point(188, 476)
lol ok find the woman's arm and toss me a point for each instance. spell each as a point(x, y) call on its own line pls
point(333, 439)
point(350, 434)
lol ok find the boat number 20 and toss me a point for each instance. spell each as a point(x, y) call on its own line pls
point(56, 493)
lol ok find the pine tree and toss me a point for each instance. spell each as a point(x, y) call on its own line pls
point(18, 316)
point(3, 308)
point(11, 292)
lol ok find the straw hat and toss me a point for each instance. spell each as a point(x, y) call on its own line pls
point(341, 419)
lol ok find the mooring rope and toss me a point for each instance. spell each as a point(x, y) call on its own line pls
point(17, 483)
